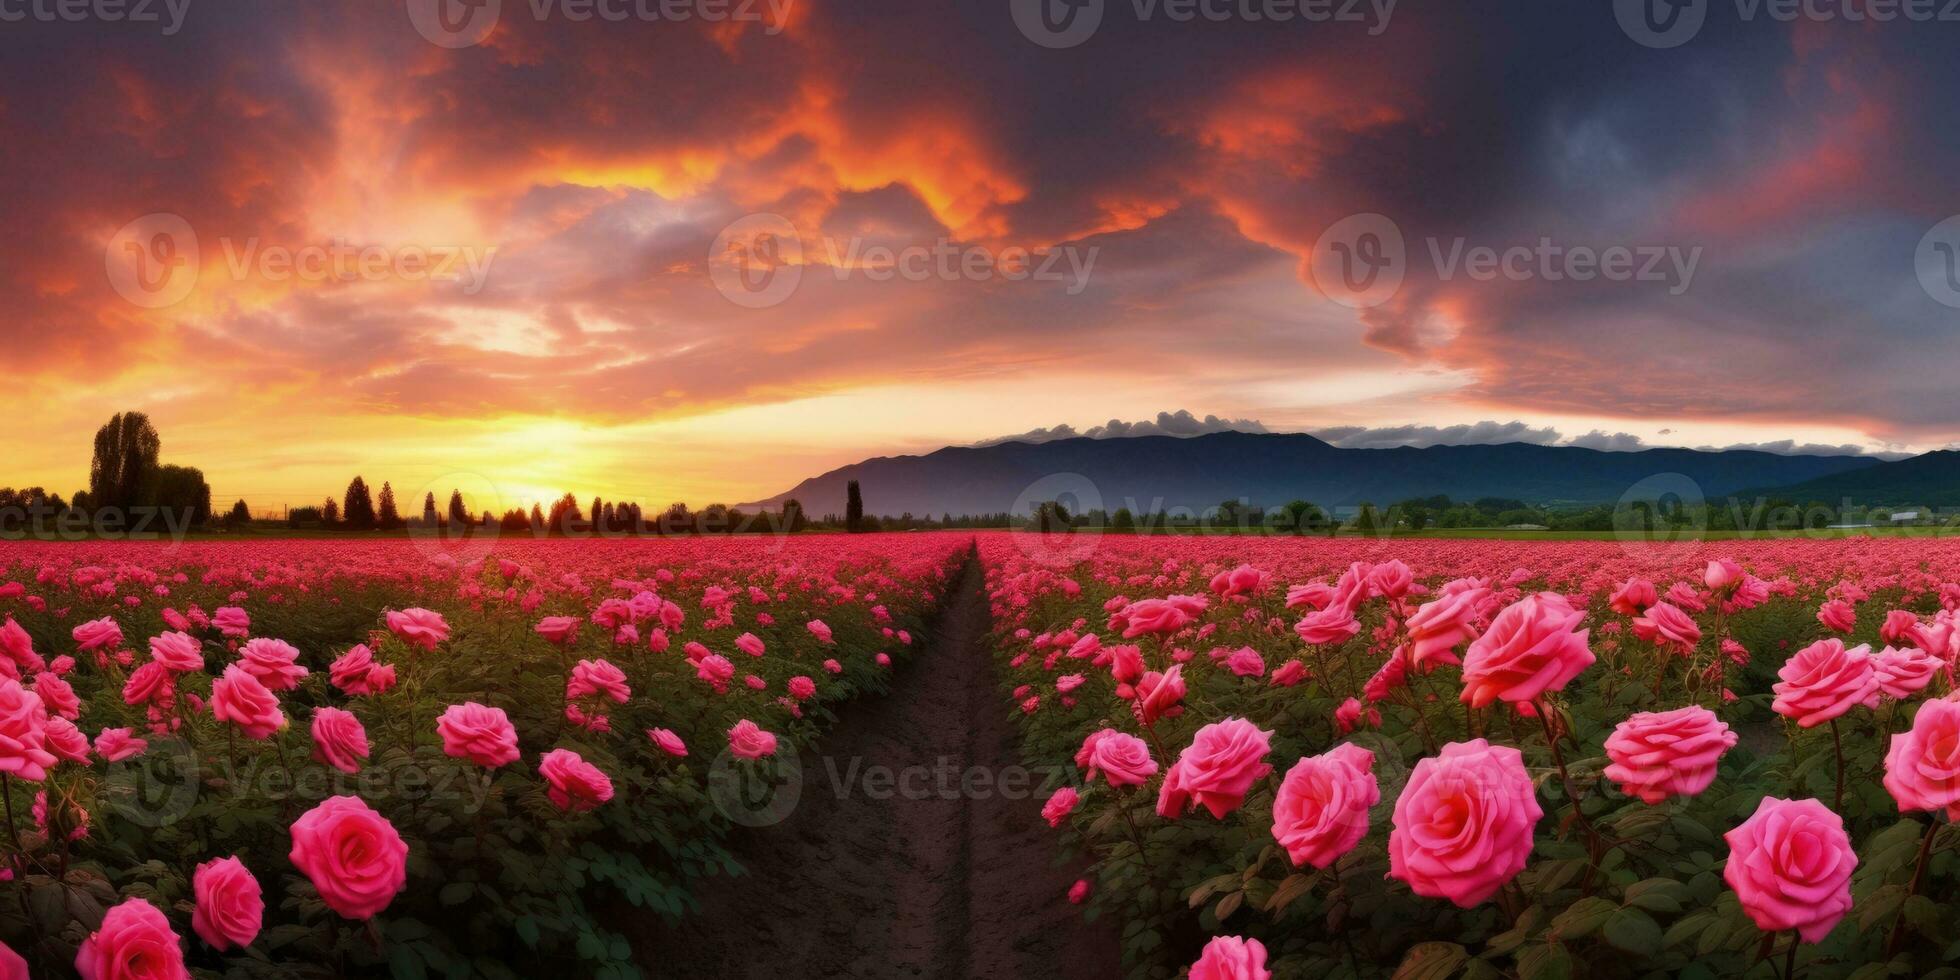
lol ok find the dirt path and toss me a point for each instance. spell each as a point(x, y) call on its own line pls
point(887, 867)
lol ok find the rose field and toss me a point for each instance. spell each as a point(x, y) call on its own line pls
point(330, 759)
point(1273, 757)
point(1435, 758)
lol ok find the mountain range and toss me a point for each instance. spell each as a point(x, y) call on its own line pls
point(1267, 469)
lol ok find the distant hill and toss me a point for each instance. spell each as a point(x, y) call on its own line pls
point(1929, 480)
point(1161, 472)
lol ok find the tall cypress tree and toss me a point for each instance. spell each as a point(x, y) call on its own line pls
point(358, 507)
point(388, 517)
point(853, 507)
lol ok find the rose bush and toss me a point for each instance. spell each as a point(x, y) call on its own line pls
point(1490, 759)
point(310, 758)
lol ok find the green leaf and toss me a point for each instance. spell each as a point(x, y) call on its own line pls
point(1582, 917)
point(1633, 930)
point(1431, 961)
point(1549, 961)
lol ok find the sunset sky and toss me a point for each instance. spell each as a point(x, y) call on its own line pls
point(589, 166)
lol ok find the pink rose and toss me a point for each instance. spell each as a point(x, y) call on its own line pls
point(180, 653)
point(12, 966)
point(1790, 863)
point(1722, 574)
point(1533, 646)
point(418, 627)
point(1668, 627)
point(821, 631)
point(232, 621)
point(1289, 674)
point(1656, 755)
point(1462, 827)
point(802, 688)
point(1246, 662)
point(18, 648)
point(349, 671)
point(353, 856)
point(1148, 616)
point(1823, 681)
point(668, 742)
point(1439, 625)
point(560, 630)
point(1897, 626)
point(748, 741)
point(1232, 958)
point(273, 662)
point(1904, 671)
point(575, 785)
point(1059, 806)
point(1922, 768)
point(750, 644)
point(716, 670)
point(1217, 769)
point(117, 744)
point(1838, 616)
point(1633, 597)
point(230, 904)
point(1321, 810)
point(339, 740)
point(479, 733)
point(23, 733)
point(97, 634)
point(1334, 624)
point(1243, 580)
point(1351, 714)
point(1077, 893)
point(134, 942)
point(56, 696)
point(1160, 695)
point(239, 698)
point(597, 678)
point(1123, 759)
point(66, 741)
